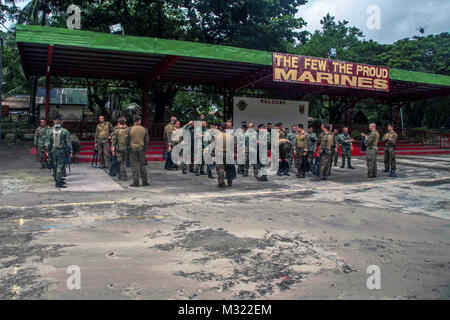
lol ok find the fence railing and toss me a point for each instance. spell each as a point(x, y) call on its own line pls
point(410, 136)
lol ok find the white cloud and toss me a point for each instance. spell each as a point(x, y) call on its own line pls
point(399, 18)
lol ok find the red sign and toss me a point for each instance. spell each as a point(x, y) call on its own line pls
point(324, 72)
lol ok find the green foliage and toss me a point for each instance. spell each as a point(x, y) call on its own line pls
point(19, 134)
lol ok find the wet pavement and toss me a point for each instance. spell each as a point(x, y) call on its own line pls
point(183, 238)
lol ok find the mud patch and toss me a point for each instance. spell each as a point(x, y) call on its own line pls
point(12, 185)
point(250, 267)
point(18, 276)
point(432, 183)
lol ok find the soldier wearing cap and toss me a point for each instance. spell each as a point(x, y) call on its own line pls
point(138, 141)
point(119, 147)
point(58, 143)
point(40, 138)
point(103, 133)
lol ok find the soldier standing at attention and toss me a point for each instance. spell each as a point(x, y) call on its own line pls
point(325, 142)
point(346, 142)
point(292, 137)
point(371, 142)
point(59, 144)
point(390, 139)
point(103, 133)
point(40, 137)
point(119, 147)
point(301, 152)
point(138, 141)
point(312, 145)
point(167, 137)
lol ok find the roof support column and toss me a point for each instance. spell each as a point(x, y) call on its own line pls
point(47, 82)
point(145, 106)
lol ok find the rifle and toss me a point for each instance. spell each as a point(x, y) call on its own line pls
point(95, 158)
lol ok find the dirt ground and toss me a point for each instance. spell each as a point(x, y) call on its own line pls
point(183, 238)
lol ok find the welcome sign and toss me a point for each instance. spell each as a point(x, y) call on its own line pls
point(325, 72)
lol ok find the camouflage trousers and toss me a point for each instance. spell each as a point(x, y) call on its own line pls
point(347, 154)
point(291, 157)
point(121, 156)
point(389, 158)
point(299, 157)
point(324, 163)
point(336, 156)
point(222, 171)
point(311, 158)
point(59, 165)
point(103, 153)
point(41, 151)
point(371, 157)
point(138, 165)
point(331, 158)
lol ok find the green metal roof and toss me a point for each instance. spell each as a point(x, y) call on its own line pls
point(106, 41)
point(146, 45)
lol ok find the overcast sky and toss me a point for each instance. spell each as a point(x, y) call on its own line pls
point(399, 18)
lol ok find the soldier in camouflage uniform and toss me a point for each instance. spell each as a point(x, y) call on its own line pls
point(138, 141)
point(240, 134)
point(345, 140)
point(332, 153)
point(312, 145)
point(190, 128)
point(260, 167)
point(390, 139)
point(371, 142)
point(40, 138)
point(221, 151)
point(199, 169)
point(292, 137)
point(58, 143)
point(325, 142)
point(103, 133)
point(119, 147)
point(250, 149)
point(301, 151)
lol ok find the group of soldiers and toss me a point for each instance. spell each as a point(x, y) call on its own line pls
point(297, 147)
point(55, 148)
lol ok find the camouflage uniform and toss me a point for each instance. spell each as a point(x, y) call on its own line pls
point(344, 139)
point(284, 150)
point(301, 148)
point(332, 153)
point(40, 138)
point(222, 167)
point(183, 164)
point(372, 151)
point(102, 132)
point(199, 169)
point(119, 140)
point(292, 137)
point(325, 141)
point(59, 144)
point(167, 138)
point(390, 140)
point(138, 141)
point(312, 145)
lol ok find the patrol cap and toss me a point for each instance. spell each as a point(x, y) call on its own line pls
point(136, 118)
point(57, 118)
